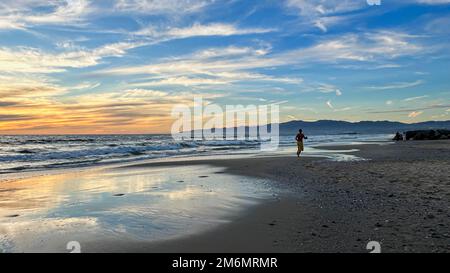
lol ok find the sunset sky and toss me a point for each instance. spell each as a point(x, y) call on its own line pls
point(80, 66)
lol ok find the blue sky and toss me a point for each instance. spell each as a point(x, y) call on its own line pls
point(80, 66)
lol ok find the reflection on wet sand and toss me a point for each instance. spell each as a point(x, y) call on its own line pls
point(44, 213)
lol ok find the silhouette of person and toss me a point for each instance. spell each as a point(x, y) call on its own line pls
point(398, 137)
point(299, 138)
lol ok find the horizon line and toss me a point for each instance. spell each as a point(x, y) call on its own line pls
point(168, 133)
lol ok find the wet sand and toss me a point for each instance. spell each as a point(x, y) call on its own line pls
point(43, 213)
point(399, 196)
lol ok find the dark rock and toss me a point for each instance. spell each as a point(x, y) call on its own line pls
point(443, 133)
point(428, 134)
point(203, 176)
point(119, 194)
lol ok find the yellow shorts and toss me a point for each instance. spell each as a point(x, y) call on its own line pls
point(300, 145)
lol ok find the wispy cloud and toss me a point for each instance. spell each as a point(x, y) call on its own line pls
point(33, 60)
point(162, 6)
point(416, 98)
point(158, 35)
point(321, 7)
point(219, 78)
point(230, 65)
point(27, 13)
point(328, 88)
point(328, 103)
point(85, 85)
point(229, 51)
point(11, 118)
point(399, 85)
point(325, 13)
point(322, 14)
point(27, 86)
point(415, 114)
point(183, 81)
point(407, 110)
point(344, 109)
point(373, 47)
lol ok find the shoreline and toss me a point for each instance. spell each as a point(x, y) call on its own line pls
point(312, 150)
point(399, 197)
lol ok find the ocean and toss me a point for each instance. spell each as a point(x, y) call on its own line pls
point(19, 153)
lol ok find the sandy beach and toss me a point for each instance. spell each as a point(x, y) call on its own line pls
point(399, 196)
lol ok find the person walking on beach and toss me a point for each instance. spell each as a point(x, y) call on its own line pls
point(300, 136)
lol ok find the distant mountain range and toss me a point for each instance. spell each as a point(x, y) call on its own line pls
point(326, 127)
point(361, 127)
